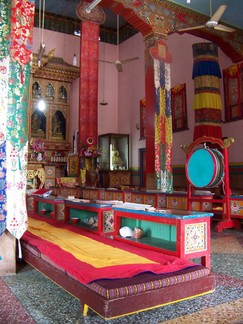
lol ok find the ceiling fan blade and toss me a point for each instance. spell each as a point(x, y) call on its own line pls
point(129, 60)
point(218, 13)
point(106, 61)
point(191, 28)
point(224, 28)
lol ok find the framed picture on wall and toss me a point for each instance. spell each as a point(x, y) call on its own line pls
point(179, 108)
point(73, 165)
point(233, 90)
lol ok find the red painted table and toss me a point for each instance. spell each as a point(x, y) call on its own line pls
point(51, 206)
point(94, 217)
point(185, 234)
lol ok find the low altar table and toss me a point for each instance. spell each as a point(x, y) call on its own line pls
point(112, 278)
point(185, 234)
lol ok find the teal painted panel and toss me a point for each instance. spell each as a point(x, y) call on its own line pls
point(150, 229)
point(82, 214)
point(87, 219)
point(130, 222)
point(156, 230)
point(46, 206)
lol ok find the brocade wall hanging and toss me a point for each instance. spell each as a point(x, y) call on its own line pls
point(163, 118)
point(89, 52)
point(179, 108)
point(4, 70)
point(233, 89)
point(16, 29)
point(207, 100)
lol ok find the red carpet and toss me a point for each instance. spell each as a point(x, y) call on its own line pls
point(11, 310)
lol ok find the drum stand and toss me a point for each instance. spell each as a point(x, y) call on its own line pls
point(226, 221)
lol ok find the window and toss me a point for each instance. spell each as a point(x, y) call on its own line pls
point(179, 110)
point(233, 90)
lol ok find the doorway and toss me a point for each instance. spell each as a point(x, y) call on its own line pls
point(142, 167)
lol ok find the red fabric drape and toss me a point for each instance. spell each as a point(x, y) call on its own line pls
point(88, 94)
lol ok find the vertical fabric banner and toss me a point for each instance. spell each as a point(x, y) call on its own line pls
point(89, 66)
point(89, 50)
point(4, 70)
point(21, 36)
point(207, 100)
point(163, 117)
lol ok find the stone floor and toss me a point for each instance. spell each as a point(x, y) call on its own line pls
point(45, 302)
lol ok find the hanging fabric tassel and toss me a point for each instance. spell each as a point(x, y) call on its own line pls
point(20, 256)
point(22, 75)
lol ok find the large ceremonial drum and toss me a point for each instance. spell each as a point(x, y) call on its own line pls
point(205, 168)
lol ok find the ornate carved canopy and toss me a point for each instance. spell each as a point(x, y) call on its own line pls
point(54, 68)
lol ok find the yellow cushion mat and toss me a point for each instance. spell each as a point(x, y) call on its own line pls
point(85, 249)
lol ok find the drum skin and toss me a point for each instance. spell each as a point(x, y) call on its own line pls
point(205, 168)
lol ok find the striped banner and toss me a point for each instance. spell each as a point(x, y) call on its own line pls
point(207, 100)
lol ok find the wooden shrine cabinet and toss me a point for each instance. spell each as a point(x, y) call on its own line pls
point(50, 122)
point(51, 84)
point(114, 160)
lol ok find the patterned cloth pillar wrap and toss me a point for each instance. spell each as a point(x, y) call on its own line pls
point(16, 29)
point(207, 100)
point(89, 61)
point(163, 117)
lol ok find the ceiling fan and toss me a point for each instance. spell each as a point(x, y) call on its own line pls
point(118, 63)
point(212, 23)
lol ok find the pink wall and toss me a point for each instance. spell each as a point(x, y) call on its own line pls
point(107, 115)
point(108, 91)
point(131, 91)
point(123, 91)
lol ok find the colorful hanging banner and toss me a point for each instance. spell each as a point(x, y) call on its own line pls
point(163, 117)
point(4, 70)
point(22, 22)
point(21, 27)
point(88, 94)
point(207, 100)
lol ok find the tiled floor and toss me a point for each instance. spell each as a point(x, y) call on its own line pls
point(48, 303)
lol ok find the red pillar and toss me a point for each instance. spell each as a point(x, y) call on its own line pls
point(149, 113)
point(89, 60)
point(88, 93)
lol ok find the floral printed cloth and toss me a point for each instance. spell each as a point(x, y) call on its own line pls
point(16, 26)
